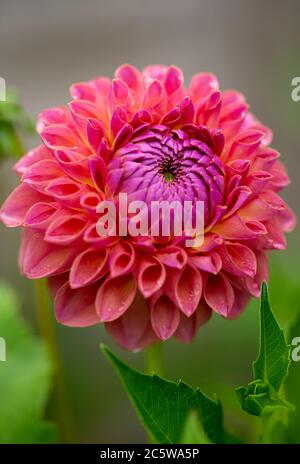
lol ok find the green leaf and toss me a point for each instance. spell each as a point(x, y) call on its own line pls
point(292, 383)
point(193, 432)
point(14, 123)
point(25, 378)
point(261, 397)
point(273, 360)
point(164, 407)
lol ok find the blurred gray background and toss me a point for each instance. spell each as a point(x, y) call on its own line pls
point(252, 46)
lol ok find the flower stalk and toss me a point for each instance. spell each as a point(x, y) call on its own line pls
point(46, 327)
point(155, 359)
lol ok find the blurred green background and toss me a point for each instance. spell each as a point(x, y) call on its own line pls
point(251, 46)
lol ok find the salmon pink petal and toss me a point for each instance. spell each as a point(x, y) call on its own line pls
point(188, 326)
point(241, 300)
point(40, 215)
point(119, 92)
point(17, 205)
point(239, 259)
point(95, 131)
point(219, 294)
point(40, 174)
point(88, 267)
point(65, 228)
point(133, 330)
point(173, 257)
point(52, 116)
point(154, 95)
point(58, 136)
point(83, 91)
point(234, 228)
point(76, 308)
point(90, 201)
point(202, 85)
point(151, 276)
point(118, 119)
point(246, 144)
point(33, 156)
point(173, 79)
point(92, 237)
point(41, 259)
point(165, 316)
point(130, 76)
point(123, 136)
point(262, 274)
point(73, 164)
point(66, 191)
point(209, 263)
point(115, 296)
point(287, 219)
point(189, 290)
point(236, 199)
point(122, 259)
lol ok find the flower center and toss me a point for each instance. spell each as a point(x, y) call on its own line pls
point(163, 164)
point(169, 169)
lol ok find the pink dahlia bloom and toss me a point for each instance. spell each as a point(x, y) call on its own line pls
point(147, 135)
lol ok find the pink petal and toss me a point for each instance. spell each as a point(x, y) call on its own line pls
point(239, 259)
point(83, 91)
point(245, 144)
point(18, 203)
point(88, 267)
point(202, 85)
point(122, 259)
point(52, 116)
point(210, 263)
point(66, 190)
point(115, 296)
point(66, 228)
point(236, 199)
point(151, 276)
point(130, 75)
point(41, 173)
point(119, 92)
point(91, 236)
point(235, 229)
point(173, 257)
point(241, 298)
point(165, 316)
point(41, 259)
point(173, 79)
point(95, 131)
point(73, 164)
point(133, 330)
point(76, 308)
point(58, 136)
point(153, 95)
point(219, 294)
point(40, 215)
point(156, 71)
point(33, 156)
point(189, 290)
point(188, 326)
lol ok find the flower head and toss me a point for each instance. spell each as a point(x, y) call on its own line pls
point(147, 135)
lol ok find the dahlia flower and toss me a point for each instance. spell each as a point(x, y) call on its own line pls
point(147, 135)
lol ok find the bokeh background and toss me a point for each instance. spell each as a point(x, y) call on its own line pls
point(251, 46)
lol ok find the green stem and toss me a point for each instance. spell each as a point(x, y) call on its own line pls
point(154, 365)
point(46, 327)
point(155, 359)
point(265, 430)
